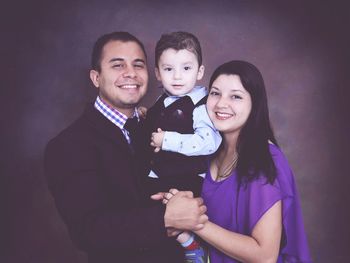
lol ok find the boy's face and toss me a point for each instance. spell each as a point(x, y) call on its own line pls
point(178, 70)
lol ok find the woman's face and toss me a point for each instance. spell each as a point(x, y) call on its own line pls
point(229, 104)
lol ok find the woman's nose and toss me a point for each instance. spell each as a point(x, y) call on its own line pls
point(222, 102)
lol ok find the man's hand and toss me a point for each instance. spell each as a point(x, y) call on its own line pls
point(165, 196)
point(172, 232)
point(185, 212)
point(157, 139)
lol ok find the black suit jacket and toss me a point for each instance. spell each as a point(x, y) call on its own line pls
point(91, 173)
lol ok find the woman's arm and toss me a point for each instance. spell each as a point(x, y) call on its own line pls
point(262, 246)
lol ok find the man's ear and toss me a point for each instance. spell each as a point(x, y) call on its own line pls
point(200, 72)
point(156, 71)
point(94, 76)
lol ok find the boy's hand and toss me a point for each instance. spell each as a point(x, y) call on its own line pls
point(157, 139)
point(142, 111)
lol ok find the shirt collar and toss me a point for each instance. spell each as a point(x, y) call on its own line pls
point(196, 94)
point(112, 114)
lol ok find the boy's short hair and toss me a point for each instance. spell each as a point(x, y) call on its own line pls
point(178, 40)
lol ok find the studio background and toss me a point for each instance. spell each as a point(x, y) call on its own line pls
point(301, 48)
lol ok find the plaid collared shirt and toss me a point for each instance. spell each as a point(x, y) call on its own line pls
point(115, 116)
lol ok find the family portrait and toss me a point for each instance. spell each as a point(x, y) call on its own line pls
point(192, 132)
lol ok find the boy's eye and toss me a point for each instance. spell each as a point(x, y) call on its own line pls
point(167, 69)
point(187, 68)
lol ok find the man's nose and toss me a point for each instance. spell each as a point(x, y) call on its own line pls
point(129, 72)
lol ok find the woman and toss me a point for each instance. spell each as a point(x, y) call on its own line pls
point(253, 206)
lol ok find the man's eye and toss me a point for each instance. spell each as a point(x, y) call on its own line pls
point(140, 66)
point(117, 66)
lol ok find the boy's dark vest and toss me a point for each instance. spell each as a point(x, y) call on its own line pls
point(176, 117)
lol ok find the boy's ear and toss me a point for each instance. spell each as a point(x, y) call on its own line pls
point(94, 76)
point(156, 71)
point(200, 72)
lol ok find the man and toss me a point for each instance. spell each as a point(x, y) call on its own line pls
point(91, 171)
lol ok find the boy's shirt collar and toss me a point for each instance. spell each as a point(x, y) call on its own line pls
point(196, 94)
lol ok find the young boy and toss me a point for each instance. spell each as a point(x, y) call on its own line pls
point(178, 124)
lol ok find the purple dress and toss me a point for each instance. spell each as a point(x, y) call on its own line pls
point(239, 208)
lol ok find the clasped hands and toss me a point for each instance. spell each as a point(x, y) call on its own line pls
point(183, 211)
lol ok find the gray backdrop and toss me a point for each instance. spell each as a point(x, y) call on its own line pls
point(302, 49)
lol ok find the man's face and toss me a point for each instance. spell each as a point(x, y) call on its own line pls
point(123, 79)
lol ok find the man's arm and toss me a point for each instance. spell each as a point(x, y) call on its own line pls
point(97, 221)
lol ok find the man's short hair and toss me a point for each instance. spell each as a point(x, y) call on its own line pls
point(103, 40)
point(178, 40)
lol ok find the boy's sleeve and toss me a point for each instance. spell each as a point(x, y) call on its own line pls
point(205, 140)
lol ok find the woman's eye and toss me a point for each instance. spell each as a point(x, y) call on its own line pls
point(236, 97)
point(214, 93)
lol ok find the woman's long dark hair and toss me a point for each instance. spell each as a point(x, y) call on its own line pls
point(253, 141)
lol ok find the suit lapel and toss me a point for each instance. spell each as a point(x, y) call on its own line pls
point(105, 127)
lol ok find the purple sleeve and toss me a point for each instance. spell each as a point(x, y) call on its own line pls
point(258, 196)
point(255, 199)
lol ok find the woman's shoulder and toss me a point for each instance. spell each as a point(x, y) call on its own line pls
point(277, 155)
point(285, 177)
point(274, 149)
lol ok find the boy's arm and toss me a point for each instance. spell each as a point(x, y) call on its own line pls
point(205, 140)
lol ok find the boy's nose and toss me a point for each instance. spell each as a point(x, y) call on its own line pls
point(177, 74)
